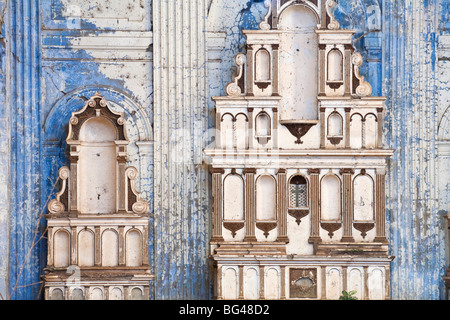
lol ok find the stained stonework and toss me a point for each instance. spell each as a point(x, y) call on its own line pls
point(159, 63)
point(98, 223)
point(303, 140)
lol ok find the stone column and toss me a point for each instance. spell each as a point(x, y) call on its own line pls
point(347, 205)
point(250, 204)
point(181, 178)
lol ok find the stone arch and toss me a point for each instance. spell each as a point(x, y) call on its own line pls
point(54, 132)
point(59, 115)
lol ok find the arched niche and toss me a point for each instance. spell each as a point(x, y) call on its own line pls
point(98, 181)
point(370, 131)
point(335, 131)
point(363, 198)
point(356, 131)
point(266, 198)
point(251, 283)
point(86, 248)
point(96, 294)
point(61, 248)
point(233, 187)
point(57, 294)
point(110, 248)
point(263, 127)
point(54, 131)
point(136, 294)
point(335, 67)
point(227, 131)
point(298, 56)
point(330, 198)
point(230, 283)
point(272, 283)
point(263, 67)
point(97, 167)
point(133, 248)
point(241, 131)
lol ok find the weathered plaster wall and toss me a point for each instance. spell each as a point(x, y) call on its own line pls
point(58, 52)
point(4, 151)
point(410, 81)
point(181, 186)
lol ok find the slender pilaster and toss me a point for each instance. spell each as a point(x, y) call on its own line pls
point(250, 70)
point(322, 127)
point(250, 204)
point(217, 193)
point(314, 205)
point(180, 184)
point(275, 74)
point(282, 206)
point(73, 246)
point(98, 247)
point(347, 205)
point(347, 128)
point(121, 246)
point(241, 283)
point(380, 199)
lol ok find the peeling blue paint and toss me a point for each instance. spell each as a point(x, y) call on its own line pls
point(43, 79)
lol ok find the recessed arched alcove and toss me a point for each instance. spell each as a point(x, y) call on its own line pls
point(97, 167)
point(298, 54)
point(138, 125)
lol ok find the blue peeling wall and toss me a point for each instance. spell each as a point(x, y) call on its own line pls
point(54, 55)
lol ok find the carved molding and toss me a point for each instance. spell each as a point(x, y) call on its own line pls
point(60, 204)
point(264, 25)
point(233, 226)
point(331, 227)
point(266, 226)
point(94, 107)
point(298, 214)
point(298, 128)
point(333, 25)
point(233, 88)
point(364, 88)
point(363, 227)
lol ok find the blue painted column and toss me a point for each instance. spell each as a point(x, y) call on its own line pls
point(25, 204)
point(410, 84)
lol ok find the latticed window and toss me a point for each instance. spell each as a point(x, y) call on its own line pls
point(298, 192)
